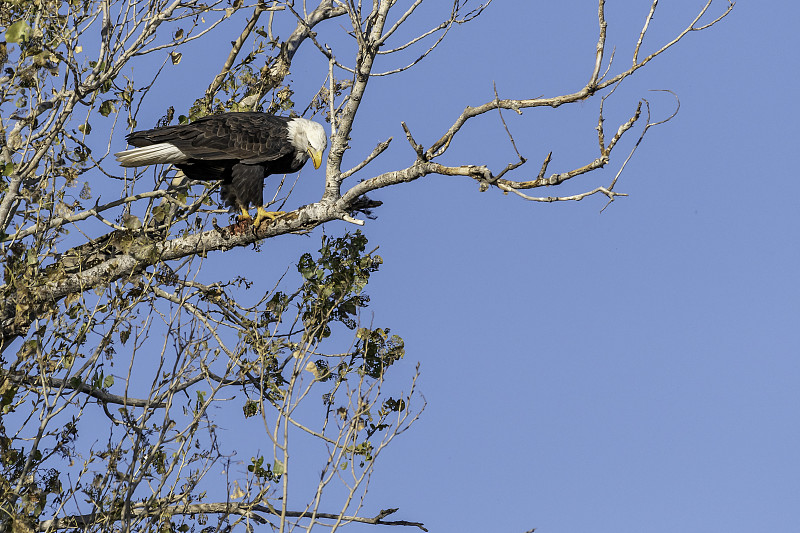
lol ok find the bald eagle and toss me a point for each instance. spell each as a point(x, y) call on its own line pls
point(241, 149)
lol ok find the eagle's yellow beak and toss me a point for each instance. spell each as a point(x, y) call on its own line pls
point(316, 156)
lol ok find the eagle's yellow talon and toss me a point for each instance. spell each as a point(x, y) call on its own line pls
point(262, 213)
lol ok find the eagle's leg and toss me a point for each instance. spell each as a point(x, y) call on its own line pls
point(262, 213)
point(245, 214)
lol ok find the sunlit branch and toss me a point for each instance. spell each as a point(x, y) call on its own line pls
point(54, 382)
point(225, 508)
point(375, 153)
point(236, 47)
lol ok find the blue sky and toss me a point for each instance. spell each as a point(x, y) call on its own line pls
point(625, 371)
point(635, 370)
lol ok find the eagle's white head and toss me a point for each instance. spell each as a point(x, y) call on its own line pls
point(309, 140)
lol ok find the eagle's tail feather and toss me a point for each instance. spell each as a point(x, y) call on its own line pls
point(151, 155)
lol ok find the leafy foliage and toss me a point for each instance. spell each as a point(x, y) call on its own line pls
point(333, 285)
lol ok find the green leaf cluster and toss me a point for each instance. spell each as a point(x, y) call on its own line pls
point(266, 471)
point(334, 283)
point(378, 350)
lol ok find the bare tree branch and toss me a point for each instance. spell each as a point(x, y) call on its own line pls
point(227, 508)
point(56, 383)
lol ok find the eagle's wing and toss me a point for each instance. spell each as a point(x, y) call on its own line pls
point(250, 138)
